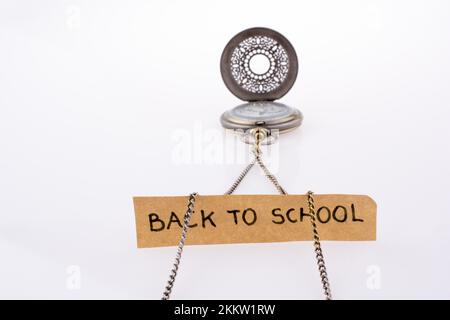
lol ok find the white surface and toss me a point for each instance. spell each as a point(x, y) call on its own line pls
point(97, 98)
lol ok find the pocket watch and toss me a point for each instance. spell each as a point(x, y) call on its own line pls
point(259, 66)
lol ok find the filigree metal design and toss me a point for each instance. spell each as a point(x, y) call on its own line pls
point(250, 85)
point(250, 80)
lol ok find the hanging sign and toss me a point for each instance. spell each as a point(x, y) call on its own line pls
point(253, 218)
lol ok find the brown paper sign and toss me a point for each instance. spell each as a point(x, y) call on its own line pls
point(253, 218)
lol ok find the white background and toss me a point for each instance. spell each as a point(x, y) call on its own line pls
point(93, 95)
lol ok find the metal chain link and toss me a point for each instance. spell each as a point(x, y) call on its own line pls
point(318, 248)
point(241, 177)
point(270, 176)
point(173, 272)
point(259, 135)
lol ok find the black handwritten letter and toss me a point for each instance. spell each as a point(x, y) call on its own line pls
point(244, 216)
point(277, 215)
point(328, 214)
point(234, 212)
point(153, 217)
point(344, 215)
point(354, 218)
point(303, 214)
point(208, 217)
point(288, 215)
point(173, 219)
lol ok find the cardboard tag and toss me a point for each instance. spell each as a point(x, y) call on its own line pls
point(253, 218)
